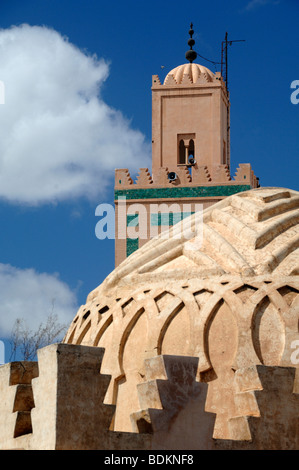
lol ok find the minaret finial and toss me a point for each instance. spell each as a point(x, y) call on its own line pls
point(191, 54)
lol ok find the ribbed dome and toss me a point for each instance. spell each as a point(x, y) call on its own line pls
point(194, 72)
point(229, 298)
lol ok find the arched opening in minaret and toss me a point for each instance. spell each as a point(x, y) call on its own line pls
point(182, 153)
point(191, 149)
point(186, 148)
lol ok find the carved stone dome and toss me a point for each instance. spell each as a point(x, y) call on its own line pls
point(195, 72)
point(228, 298)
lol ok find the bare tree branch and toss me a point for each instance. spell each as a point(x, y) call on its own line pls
point(26, 342)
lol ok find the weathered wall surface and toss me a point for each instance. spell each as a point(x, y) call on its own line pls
point(64, 409)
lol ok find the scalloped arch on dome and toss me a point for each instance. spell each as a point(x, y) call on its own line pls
point(251, 236)
point(195, 73)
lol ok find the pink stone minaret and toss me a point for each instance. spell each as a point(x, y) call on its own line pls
point(190, 151)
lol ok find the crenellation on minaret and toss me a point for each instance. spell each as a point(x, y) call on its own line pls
point(144, 178)
point(200, 175)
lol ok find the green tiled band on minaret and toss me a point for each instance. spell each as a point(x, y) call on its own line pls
point(180, 192)
point(168, 219)
point(132, 245)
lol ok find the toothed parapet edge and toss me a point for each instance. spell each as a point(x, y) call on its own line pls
point(199, 175)
point(67, 410)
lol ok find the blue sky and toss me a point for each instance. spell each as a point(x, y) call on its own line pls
point(77, 78)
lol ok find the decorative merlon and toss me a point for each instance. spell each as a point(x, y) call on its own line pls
point(16, 403)
point(268, 408)
point(171, 386)
point(123, 177)
point(244, 173)
point(201, 176)
point(170, 80)
point(144, 178)
point(222, 173)
point(156, 80)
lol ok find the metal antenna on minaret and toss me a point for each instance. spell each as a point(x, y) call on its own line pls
point(224, 59)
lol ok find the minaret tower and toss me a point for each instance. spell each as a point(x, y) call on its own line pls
point(190, 117)
point(190, 155)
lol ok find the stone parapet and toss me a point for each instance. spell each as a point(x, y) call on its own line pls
point(198, 176)
point(63, 395)
point(62, 407)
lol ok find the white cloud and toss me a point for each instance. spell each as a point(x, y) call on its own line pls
point(58, 138)
point(33, 296)
point(253, 4)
